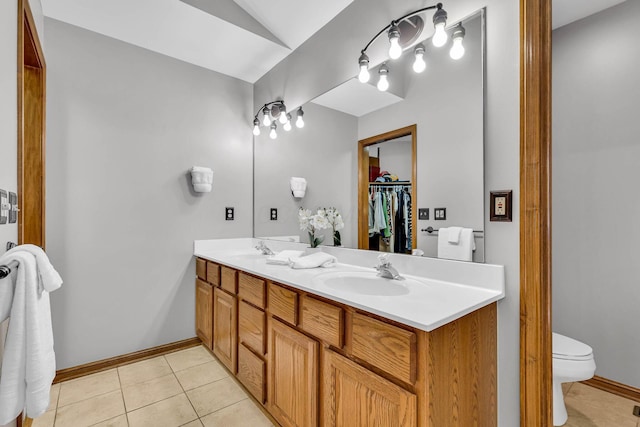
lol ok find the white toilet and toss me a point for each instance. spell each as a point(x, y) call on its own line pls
point(572, 361)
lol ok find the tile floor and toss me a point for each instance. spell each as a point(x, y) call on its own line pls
point(186, 388)
point(590, 407)
point(190, 388)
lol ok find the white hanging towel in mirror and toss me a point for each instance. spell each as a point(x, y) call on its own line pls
point(462, 250)
point(202, 179)
point(298, 186)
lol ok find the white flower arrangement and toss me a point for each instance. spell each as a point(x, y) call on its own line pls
point(336, 223)
point(311, 223)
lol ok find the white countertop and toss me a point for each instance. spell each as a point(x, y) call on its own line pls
point(439, 291)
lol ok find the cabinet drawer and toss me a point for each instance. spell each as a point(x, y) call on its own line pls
point(251, 289)
point(322, 320)
point(251, 372)
point(213, 273)
point(283, 303)
point(385, 346)
point(201, 269)
point(228, 280)
point(251, 327)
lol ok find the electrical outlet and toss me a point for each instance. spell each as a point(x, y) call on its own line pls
point(440, 214)
point(4, 207)
point(228, 214)
point(274, 214)
point(423, 213)
point(13, 207)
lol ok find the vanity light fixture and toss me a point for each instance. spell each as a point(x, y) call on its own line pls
point(273, 112)
point(403, 32)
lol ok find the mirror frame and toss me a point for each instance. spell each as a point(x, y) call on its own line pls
point(363, 181)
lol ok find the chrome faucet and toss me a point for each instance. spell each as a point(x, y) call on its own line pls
point(386, 270)
point(264, 249)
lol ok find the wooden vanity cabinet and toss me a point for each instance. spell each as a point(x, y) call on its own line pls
point(225, 318)
point(204, 312)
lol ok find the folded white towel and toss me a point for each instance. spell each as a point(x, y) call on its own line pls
point(318, 259)
point(453, 235)
point(28, 365)
point(298, 186)
point(284, 257)
point(49, 279)
point(202, 179)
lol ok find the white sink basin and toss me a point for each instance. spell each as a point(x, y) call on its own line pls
point(363, 283)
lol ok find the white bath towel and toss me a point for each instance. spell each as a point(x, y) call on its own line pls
point(461, 251)
point(318, 259)
point(284, 257)
point(50, 280)
point(28, 365)
point(453, 234)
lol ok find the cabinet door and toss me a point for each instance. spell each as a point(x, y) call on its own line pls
point(224, 328)
point(293, 379)
point(356, 397)
point(204, 312)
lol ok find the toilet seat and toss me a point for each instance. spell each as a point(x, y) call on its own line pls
point(566, 348)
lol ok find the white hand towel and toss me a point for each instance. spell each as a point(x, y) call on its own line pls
point(202, 179)
point(298, 186)
point(453, 234)
point(462, 251)
point(28, 365)
point(319, 259)
point(284, 257)
point(50, 280)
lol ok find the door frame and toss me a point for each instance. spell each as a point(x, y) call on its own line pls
point(535, 214)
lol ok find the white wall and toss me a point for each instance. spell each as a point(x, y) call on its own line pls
point(323, 155)
point(124, 126)
point(308, 73)
point(596, 153)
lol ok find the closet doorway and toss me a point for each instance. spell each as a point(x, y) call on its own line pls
point(366, 163)
point(31, 130)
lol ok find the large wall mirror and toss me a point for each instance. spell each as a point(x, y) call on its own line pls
point(445, 104)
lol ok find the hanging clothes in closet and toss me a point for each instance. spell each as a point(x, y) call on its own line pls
point(390, 221)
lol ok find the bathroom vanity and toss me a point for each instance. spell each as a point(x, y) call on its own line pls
point(320, 347)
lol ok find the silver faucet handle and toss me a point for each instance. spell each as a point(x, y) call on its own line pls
point(383, 260)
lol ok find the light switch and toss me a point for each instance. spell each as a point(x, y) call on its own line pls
point(423, 213)
point(4, 207)
point(440, 214)
point(13, 207)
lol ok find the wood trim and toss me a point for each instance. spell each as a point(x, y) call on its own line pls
point(535, 213)
point(614, 387)
point(125, 359)
point(363, 181)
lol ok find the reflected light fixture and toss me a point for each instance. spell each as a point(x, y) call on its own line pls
point(403, 32)
point(273, 112)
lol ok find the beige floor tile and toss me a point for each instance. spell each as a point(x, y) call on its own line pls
point(590, 407)
point(190, 357)
point(217, 395)
point(86, 387)
point(244, 413)
point(200, 375)
point(53, 397)
point(91, 411)
point(195, 423)
point(45, 420)
point(155, 390)
point(119, 421)
point(143, 371)
point(173, 412)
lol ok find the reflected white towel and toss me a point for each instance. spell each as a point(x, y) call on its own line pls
point(318, 259)
point(29, 364)
point(50, 280)
point(462, 251)
point(453, 234)
point(284, 257)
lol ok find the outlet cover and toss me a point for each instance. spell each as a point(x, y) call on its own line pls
point(228, 214)
point(4, 207)
point(13, 210)
point(423, 213)
point(274, 214)
point(500, 206)
point(440, 214)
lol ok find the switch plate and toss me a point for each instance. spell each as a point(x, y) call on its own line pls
point(228, 214)
point(13, 211)
point(274, 214)
point(500, 206)
point(423, 213)
point(439, 214)
point(4, 207)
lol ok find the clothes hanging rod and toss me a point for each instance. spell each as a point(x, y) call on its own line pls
point(431, 230)
point(404, 183)
point(5, 270)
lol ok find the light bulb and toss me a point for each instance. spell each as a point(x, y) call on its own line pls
point(283, 114)
point(457, 50)
point(440, 36)
point(364, 74)
point(287, 126)
point(272, 133)
point(265, 119)
point(383, 83)
point(395, 50)
point(299, 120)
point(419, 65)
point(256, 126)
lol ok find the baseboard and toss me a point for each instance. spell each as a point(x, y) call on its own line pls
point(614, 387)
point(125, 359)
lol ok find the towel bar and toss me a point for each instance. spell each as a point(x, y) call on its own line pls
point(5, 270)
point(431, 230)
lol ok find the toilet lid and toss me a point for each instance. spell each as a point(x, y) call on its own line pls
point(570, 349)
